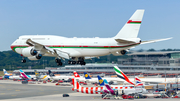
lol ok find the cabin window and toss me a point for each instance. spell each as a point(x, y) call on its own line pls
point(38, 38)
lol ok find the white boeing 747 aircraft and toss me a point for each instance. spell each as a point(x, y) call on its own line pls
point(77, 49)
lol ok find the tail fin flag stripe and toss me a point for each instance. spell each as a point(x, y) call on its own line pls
point(133, 22)
point(137, 79)
point(138, 82)
point(131, 28)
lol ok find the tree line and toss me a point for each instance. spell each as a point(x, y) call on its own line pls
point(10, 60)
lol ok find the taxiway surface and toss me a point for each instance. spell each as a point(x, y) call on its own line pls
point(15, 91)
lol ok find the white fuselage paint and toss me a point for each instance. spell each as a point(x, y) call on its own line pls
point(97, 90)
point(75, 47)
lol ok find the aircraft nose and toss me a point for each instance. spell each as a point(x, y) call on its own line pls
point(12, 47)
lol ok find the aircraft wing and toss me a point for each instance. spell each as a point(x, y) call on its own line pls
point(44, 49)
point(152, 41)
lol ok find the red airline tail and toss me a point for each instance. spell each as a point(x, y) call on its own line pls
point(76, 74)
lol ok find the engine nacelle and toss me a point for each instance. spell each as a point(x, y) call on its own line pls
point(32, 58)
point(29, 52)
point(123, 52)
point(118, 53)
point(37, 57)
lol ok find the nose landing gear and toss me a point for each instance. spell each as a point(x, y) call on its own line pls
point(23, 60)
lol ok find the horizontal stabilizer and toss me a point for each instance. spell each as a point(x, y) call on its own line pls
point(152, 41)
point(122, 41)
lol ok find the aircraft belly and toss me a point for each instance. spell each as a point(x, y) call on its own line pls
point(86, 52)
point(94, 52)
point(19, 50)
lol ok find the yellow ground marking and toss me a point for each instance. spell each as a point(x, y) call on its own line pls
point(17, 90)
point(41, 93)
point(13, 95)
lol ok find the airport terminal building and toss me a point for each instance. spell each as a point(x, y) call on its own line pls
point(137, 63)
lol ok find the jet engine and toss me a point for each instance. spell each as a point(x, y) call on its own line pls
point(118, 53)
point(28, 52)
point(37, 57)
point(123, 52)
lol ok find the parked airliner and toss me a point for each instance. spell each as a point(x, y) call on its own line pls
point(77, 49)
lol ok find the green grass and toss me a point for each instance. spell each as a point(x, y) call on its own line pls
point(2, 73)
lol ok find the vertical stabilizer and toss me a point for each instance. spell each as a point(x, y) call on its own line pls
point(5, 72)
point(50, 73)
point(23, 74)
point(36, 74)
point(138, 82)
point(76, 75)
point(131, 28)
point(101, 81)
point(121, 75)
point(86, 76)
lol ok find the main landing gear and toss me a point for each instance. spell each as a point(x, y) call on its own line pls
point(23, 60)
point(58, 61)
point(75, 60)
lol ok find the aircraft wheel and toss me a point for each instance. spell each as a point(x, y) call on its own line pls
point(69, 62)
point(102, 96)
point(59, 64)
point(57, 60)
point(23, 61)
point(83, 63)
point(73, 62)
